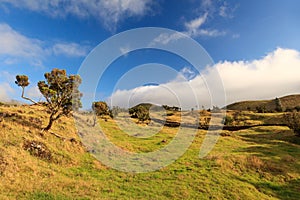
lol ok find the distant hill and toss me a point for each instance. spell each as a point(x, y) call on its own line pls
point(287, 102)
point(145, 105)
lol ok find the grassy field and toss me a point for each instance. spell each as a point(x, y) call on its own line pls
point(257, 163)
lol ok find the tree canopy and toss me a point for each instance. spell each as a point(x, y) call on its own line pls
point(61, 93)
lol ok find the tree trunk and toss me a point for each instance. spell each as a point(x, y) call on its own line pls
point(51, 120)
point(26, 97)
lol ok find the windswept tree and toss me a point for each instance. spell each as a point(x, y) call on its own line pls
point(61, 93)
point(22, 81)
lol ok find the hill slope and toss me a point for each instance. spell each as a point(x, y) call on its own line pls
point(242, 165)
point(288, 102)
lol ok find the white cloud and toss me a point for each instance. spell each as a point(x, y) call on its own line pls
point(223, 11)
point(194, 28)
point(193, 25)
point(187, 73)
point(15, 47)
point(275, 75)
point(15, 44)
point(111, 12)
point(70, 49)
point(226, 10)
point(165, 38)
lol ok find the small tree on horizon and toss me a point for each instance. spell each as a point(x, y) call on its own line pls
point(22, 81)
point(278, 105)
point(61, 93)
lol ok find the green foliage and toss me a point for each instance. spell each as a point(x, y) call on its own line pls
point(22, 81)
point(261, 109)
point(141, 112)
point(61, 93)
point(171, 108)
point(293, 121)
point(101, 108)
point(228, 120)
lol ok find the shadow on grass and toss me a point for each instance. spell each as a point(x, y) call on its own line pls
point(272, 142)
point(280, 151)
point(287, 190)
point(31, 122)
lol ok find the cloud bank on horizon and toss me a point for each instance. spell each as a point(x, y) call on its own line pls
point(274, 75)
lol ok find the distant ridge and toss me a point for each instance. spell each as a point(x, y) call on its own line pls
point(287, 102)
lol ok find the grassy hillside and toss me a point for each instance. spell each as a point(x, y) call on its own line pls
point(258, 163)
point(290, 101)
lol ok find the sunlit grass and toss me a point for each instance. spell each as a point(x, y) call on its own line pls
point(257, 163)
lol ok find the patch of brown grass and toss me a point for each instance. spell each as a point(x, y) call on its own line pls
point(288, 159)
point(3, 162)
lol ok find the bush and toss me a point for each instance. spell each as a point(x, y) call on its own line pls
point(140, 112)
point(261, 109)
point(100, 108)
point(293, 121)
point(297, 108)
point(228, 120)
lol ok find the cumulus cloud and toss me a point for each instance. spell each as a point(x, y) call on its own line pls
point(15, 46)
point(274, 75)
point(111, 12)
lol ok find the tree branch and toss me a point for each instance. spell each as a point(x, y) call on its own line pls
point(27, 97)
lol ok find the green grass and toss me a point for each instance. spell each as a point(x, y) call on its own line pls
point(258, 163)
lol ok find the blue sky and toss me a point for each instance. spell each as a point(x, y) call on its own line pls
point(258, 37)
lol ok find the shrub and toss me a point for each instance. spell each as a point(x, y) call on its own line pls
point(100, 108)
point(228, 120)
point(297, 108)
point(293, 121)
point(261, 109)
point(140, 112)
